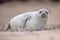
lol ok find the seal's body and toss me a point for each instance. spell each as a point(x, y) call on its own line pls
point(30, 20)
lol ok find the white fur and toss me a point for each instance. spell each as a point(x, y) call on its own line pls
point(29, 21)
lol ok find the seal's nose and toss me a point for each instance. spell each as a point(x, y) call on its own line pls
point(43, 15)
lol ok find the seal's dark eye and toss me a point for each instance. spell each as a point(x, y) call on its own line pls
point(40, 12)
point(46, 12)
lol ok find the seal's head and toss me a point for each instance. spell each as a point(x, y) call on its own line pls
point(43, 14)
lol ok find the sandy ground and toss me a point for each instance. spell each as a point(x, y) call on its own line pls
point(10, 9)
point(37, 35)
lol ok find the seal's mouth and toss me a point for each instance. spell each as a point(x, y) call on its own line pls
point(43, 16)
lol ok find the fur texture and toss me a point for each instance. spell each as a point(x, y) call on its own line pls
point(29, 21)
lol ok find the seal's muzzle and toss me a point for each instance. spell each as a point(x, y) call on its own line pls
point(43, 15)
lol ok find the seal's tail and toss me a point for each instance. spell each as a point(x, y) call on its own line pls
point(6, 27)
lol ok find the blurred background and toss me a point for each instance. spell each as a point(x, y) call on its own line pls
point(11, 8)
